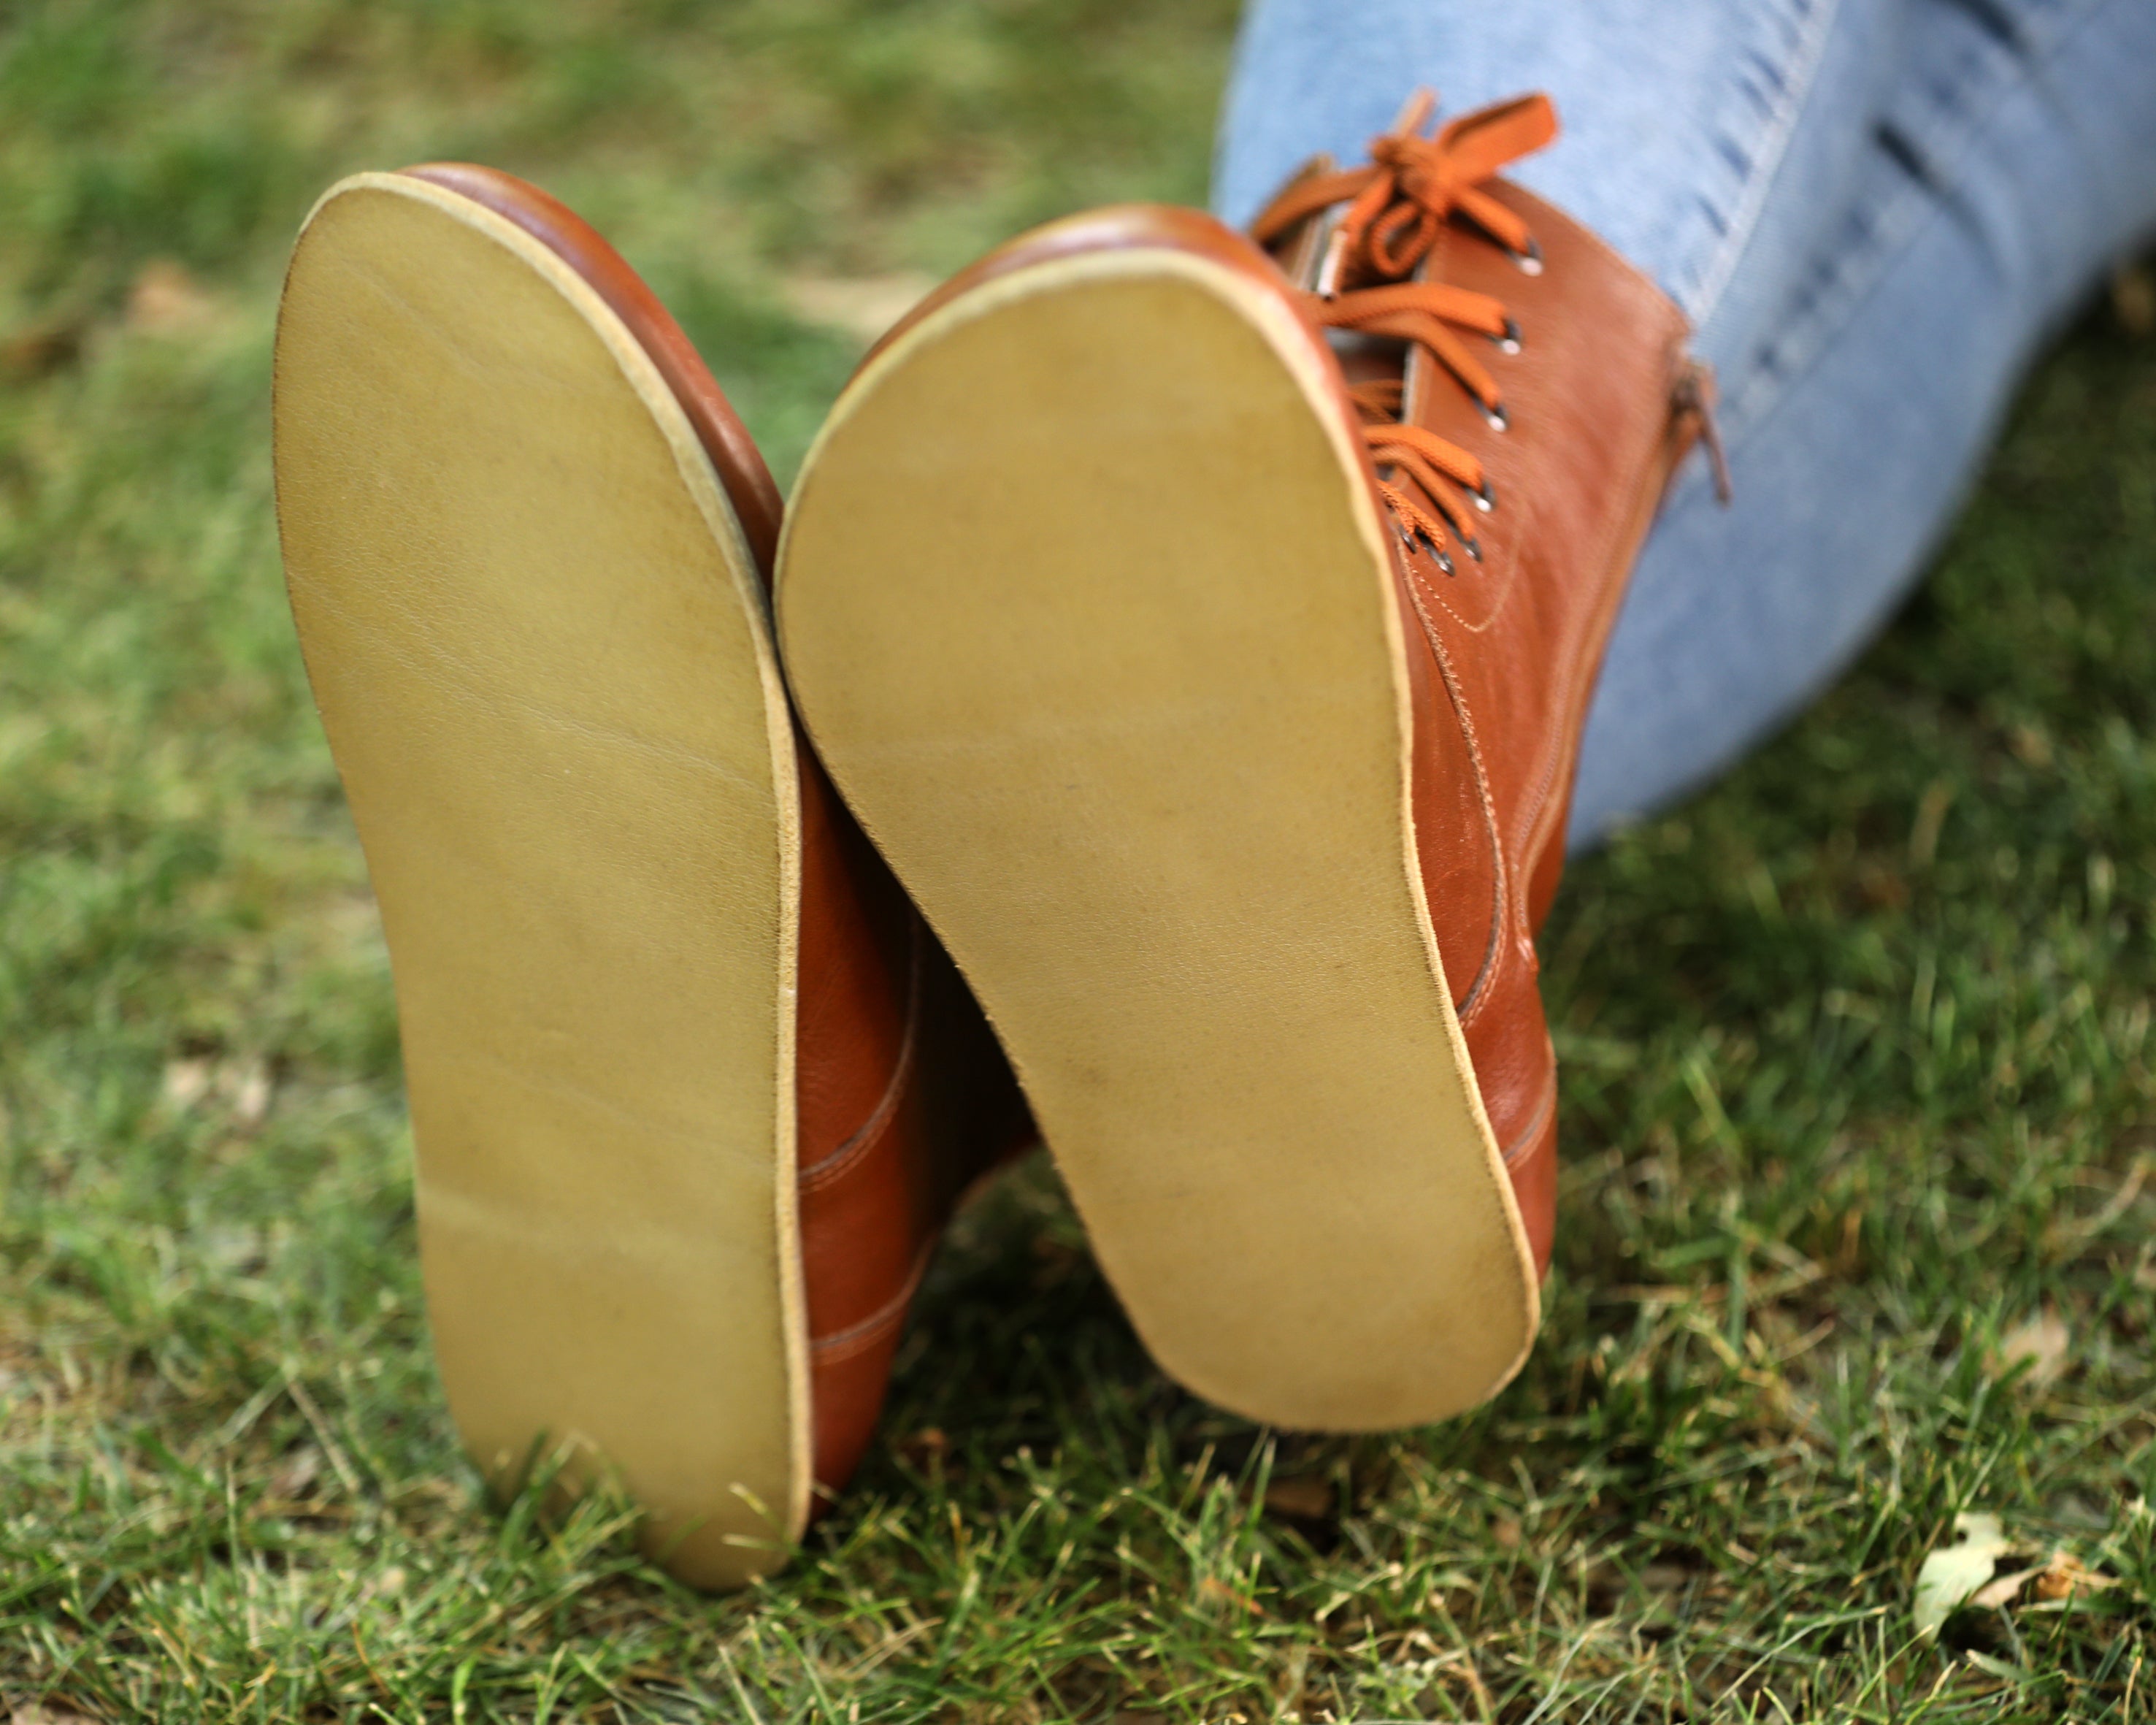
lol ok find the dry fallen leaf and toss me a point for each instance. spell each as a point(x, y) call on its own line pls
point(187, 1082)
point(2061, 1579)
point(1953, 1574)
point(2002, 1590)
point(2043, 1342)
point(2066, 1575)
point(862, 306)
point(166, 300)
point(251, 1088)
point(246, 1087)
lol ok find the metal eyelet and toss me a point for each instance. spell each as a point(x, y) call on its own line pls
point(1411, 542)
point(1508, 343)
point(1530, 261)
point(1330, 261)
point(1496, 417)
point(1485, 499)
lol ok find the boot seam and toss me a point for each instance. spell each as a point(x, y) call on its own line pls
point(1476, 997)
point(871, 1131)
point(844, 1344)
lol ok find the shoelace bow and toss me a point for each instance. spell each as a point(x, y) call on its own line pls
point(1397, 208)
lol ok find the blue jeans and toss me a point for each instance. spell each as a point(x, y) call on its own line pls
point(1873, 211)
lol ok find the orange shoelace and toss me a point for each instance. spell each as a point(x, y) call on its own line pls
point(1397, 207)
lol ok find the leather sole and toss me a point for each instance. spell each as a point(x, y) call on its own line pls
point(539, 645)
point(1085, 603)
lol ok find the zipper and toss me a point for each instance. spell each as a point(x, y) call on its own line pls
point(1693, 399)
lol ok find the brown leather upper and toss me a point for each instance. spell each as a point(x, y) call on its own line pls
point(1515, 639)
point(1504, 652)
point(1515, 605)
point(902, 1097)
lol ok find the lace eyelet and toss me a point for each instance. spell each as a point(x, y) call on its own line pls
point(1530, 261)
point(1496, 418)
point(1509, 342)
point(1418, 540)
point(1484, 498)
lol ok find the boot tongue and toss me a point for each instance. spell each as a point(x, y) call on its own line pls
point(1300, 251)
point(1307, 256)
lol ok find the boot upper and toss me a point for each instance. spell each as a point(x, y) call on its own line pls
point(1525, 395)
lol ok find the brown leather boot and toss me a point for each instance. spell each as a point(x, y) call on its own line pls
point(1219, 707)
point(692, 1089)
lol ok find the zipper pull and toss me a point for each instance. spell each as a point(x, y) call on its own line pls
point(1693, 399)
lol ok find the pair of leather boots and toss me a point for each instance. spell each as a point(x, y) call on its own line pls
point(1195, 630)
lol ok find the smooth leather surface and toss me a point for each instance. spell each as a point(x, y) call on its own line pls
point(1515, 639)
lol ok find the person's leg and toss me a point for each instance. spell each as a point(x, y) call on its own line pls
point(1871, 210)
point(2015, 158)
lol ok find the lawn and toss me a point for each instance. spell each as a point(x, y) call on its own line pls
point(1859, 1119)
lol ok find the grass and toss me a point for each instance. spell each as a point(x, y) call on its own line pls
point(1856, 1046)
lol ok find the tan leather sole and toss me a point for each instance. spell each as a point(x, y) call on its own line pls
point(1083, 601)
point(537, 637)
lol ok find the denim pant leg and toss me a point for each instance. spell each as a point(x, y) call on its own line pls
point(2014, 157)
point(1871, 209)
